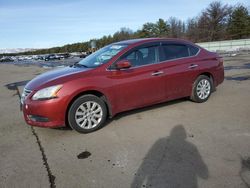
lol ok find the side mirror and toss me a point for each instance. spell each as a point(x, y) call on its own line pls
point(123, 64)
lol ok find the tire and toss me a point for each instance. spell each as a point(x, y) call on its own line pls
point(87, 114)
point(202, 89)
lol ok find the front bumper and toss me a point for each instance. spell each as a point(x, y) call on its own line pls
point(44, 113)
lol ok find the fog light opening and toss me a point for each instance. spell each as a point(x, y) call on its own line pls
point(38, 118)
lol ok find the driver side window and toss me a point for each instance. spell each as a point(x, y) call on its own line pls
point(142, 56)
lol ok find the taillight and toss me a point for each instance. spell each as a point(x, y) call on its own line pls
point(220, 59)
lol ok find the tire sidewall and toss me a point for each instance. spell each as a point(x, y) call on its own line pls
point(74, 106)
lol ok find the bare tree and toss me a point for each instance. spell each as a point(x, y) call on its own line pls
point(192, 30)
point(177, 27)
point(213, 21)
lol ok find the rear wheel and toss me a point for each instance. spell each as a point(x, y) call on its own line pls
point(87, 114)
point(202, 89)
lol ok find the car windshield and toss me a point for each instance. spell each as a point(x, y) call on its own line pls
point(101, 56)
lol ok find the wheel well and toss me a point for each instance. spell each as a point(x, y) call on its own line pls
point(92, 92)
point(208, 75)
point(211, 78)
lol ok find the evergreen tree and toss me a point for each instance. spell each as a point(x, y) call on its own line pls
point(148, 30)
point(239, 23)
point(158, 29)
point(161, 28)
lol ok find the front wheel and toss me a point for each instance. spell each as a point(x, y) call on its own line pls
point(87, 114)
point(202, 88)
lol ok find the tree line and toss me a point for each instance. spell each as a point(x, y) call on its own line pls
point(217, 22)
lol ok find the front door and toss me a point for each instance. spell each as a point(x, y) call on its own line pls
point(141, 84)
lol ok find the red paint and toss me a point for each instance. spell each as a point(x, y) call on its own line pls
point(123, 89)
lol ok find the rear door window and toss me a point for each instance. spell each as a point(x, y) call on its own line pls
point(173, 51)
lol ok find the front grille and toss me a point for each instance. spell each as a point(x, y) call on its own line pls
point(25, 94)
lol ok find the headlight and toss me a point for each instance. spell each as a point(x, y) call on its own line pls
point(47, 93)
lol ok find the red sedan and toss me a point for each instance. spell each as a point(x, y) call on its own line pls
point(119, 77)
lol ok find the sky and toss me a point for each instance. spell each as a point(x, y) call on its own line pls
point(50, 23)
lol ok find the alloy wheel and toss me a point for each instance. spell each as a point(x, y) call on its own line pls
point(203, 89)
point(88, 115)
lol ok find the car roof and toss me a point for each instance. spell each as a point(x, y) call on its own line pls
point(144, 40)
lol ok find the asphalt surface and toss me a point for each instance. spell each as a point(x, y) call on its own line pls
point(175, 144)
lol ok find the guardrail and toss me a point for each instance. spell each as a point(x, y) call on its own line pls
point(227, 45)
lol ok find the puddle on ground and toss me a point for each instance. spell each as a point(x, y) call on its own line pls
point(84, 155)
point(190, 135)
point(244, 66)
point(238, 78)
point(246, 163)
point(245, 169)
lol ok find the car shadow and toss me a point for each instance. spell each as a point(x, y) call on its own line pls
point(14, 87)
point(66, 128)
point(171, 162)
point(131, 112)
point(143, 109)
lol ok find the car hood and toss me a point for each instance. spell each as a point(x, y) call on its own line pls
point(53, 75)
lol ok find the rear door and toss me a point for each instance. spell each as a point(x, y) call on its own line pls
point(179, 65)
point(142, 84)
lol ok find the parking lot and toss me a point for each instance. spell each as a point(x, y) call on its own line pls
point(175, 144)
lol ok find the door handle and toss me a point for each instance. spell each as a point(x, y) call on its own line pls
point(156, 73)
point(192, 66)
